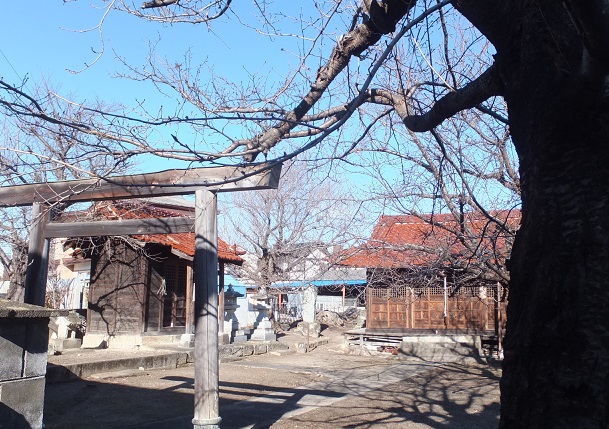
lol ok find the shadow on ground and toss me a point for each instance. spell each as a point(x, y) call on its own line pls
point(445, 396)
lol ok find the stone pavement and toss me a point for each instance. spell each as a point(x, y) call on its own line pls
point(281, 391)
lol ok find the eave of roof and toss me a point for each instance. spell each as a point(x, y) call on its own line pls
point(406, 240)
point(183, 242)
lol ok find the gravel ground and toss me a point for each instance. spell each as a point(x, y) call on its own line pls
point(324, 388)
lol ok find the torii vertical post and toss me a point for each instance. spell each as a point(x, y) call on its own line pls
point(206, 413)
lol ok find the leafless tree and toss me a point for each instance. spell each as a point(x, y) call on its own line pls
point(461, 179)
point(38, 149)
point(291, 232)
point(464, 166)
point(550, 65)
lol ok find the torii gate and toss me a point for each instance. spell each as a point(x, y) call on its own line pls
point(204, 183)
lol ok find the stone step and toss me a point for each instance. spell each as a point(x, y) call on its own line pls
point(161, 339)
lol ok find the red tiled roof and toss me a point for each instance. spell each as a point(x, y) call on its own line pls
point(408, 240)
point(182, 242)
point(185, 243)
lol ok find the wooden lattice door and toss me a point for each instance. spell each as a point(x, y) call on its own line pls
point(174, 303)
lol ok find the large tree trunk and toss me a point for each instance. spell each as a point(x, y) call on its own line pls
point(556, 368)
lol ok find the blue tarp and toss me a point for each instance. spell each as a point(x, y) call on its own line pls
point(320, 283)
point(237, 285)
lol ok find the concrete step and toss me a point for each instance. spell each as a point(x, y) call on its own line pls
point(69, 371)
point(88, 362)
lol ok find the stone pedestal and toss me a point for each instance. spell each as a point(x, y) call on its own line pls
point(187, 340)
point(223, 338)
point(239, 336)
point(264, 328)
point(62, 337)
point(24, 335)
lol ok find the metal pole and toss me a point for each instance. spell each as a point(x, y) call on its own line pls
point(206, 412)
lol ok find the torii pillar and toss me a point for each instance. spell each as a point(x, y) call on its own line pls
point(207, 381)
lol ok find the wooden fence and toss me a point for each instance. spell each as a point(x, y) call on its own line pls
point(466, 309)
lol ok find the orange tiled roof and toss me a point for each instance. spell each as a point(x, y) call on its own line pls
point(408, 240)
point(182, 242)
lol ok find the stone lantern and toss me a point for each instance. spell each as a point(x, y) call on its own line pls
point(264, 328)
point(231, 323)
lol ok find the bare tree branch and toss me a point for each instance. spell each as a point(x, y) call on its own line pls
point(157, 3)
point(353, 43)
point(487, 85)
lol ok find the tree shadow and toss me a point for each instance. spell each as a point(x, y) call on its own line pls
point(435, 396)
point(111, 404)
point(97, 404)
point(392, 395)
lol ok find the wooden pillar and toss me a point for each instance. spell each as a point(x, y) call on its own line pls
point(38, 257)
point(206, 410)
point(189, 291)
point(499, 319)
point(445, 312)
point(221, 298)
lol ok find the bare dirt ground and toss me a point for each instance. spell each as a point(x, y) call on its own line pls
point(324, 388)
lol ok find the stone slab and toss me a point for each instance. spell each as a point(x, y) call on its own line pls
point(22, 403)
point(23, 347)
point(442, 348)
point(57, 373)
point(12, 309)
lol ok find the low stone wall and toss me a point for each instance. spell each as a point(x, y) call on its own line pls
point(24, 336)
point(236, 351)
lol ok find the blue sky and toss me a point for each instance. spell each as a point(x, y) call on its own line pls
point(43, 39)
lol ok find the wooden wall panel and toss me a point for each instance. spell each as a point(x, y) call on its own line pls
point(117, 290)
point(470, 310)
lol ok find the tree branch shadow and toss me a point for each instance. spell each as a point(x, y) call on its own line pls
point(391, 394)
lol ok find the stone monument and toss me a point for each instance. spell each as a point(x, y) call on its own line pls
point(309, 326)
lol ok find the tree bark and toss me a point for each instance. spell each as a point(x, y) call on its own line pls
point(556, 367)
